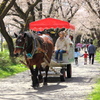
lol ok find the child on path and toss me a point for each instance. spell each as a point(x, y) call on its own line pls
point(76, 55)
point(85, 57)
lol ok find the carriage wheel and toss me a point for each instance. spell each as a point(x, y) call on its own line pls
point(69, 71)
point(62, 76)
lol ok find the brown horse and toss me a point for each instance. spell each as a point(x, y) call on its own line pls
point(37, 50)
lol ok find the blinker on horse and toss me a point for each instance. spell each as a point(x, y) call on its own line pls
point(37, 50)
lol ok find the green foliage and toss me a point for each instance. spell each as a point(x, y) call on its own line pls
point(11, 70)
point(7, 67)
point(5, 45)
point(4, 60)
point(95, 95)
point(95, 42)
point(98, 55)
point(98, 50)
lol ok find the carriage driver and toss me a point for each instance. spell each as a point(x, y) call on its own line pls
point(61, 46)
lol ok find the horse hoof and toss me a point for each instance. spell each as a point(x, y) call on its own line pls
point(40, 81)
point(35, 86)
point(44, 83)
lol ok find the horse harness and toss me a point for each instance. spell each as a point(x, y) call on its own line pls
point(37, 48)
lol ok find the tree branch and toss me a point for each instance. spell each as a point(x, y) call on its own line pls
point(4, 12)
point(14, 25)
point(19, 11)
point(2, 5)
point(85, 26)
point(61, 9)
point(22, 25)
point(32, 6)
point(51, 8)
point(93, 10)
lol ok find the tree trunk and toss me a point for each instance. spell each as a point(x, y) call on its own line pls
point(7, 38)
point(40, 11)
point(78, 39)
point(4, 8)
point(98, 43)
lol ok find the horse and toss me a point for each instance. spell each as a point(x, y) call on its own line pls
point(37, 50)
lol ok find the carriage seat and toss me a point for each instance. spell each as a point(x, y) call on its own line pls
point(65, 57)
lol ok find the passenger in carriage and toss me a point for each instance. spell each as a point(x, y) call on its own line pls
point(70, 47)
point(61, 46)
point(39, 33)
point(69, 38)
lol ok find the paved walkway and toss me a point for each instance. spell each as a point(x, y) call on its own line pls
point(18, 87)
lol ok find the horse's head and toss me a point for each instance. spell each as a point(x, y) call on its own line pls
point(20, 43)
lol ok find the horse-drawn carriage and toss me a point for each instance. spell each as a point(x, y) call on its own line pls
point(38, 50)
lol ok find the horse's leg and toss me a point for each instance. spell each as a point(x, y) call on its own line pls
point(45, 78)
point(34, 73)
point(40, 76)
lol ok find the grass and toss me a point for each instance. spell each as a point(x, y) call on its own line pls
point(95, 95)
point(7, 67)
point(11, 70)
point(98, 56)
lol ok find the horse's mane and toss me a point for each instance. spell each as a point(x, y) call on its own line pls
point(28, 34)
point(33, 36)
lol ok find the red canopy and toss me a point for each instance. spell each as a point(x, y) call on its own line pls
point(48, 23)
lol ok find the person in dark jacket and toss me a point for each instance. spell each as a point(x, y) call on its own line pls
point(91, 52)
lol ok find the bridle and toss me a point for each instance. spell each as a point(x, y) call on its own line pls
point(23, 46)
point(27, 45)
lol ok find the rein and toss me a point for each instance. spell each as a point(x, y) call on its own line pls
point(20, 47)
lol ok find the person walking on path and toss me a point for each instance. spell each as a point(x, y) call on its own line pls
point(91, 52)
point(76, 55)
point(85, 57)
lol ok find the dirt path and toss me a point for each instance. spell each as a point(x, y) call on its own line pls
point(18, 87)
